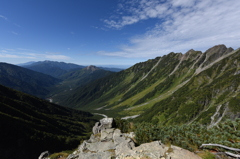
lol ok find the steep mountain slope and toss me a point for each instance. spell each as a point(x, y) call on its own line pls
point(175, 88)
point(74, 79)
point(30, 125)
point(52, 68)
point(26, 80)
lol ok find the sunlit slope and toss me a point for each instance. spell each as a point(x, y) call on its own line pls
point(147, 88)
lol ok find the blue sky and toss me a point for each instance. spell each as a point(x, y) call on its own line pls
point(113, 32)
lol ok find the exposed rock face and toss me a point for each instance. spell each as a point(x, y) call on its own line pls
point(215, 52)
point(105, 123)
point(107, 142)
point(92, 68)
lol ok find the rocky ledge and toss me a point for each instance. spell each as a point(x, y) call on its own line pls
point(107, 142)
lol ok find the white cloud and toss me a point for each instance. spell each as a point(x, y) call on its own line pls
point(183, 3)
point(184, 24)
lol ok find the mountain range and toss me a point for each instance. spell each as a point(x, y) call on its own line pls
point(52, 68)
point(58, 69)
point(43, 79)
point(174, 89)
point(26, 80)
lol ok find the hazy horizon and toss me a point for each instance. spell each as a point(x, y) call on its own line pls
point(109, 66)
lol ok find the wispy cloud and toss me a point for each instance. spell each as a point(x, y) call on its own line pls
point(3, 17)
point(31, 54)
point(8, 56)
point(57, 57)
point(14, 33)
point(17, 25)
point(180, 25)
point(22, 49)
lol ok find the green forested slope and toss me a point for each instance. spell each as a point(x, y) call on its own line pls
point(74, 79)
point(207, 97)
point(176, 88)
point(30, 125)
point(26, 80)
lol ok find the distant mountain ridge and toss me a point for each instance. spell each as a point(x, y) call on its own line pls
point(52, 68)
point(58, 69)
point(175, 88)
point(43, 85)
point(26, 63)
point(26, 80)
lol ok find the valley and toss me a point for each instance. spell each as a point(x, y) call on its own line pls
point(146, 87)
point(194, 83)
point(30, 125)
point(174, 91)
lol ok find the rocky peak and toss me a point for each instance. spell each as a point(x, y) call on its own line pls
point(92, 68)
point(215, 53)
point(191, 54)
point(219, 50)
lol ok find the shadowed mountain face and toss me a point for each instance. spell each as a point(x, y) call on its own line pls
point(26, 80)
point(30, 125)
point(74, 79)
point(52, 68)
point(176, 88)
point(43, 85)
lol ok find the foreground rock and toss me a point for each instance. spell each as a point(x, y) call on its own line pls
point(107, 143)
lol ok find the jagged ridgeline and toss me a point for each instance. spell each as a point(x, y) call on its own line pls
point(30, 125)
point(173, 89)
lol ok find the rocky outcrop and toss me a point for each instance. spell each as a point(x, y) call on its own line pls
point(107, 142)
point(91, 68)
point(215, 53)
point(105, 123)
point(43, 155)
